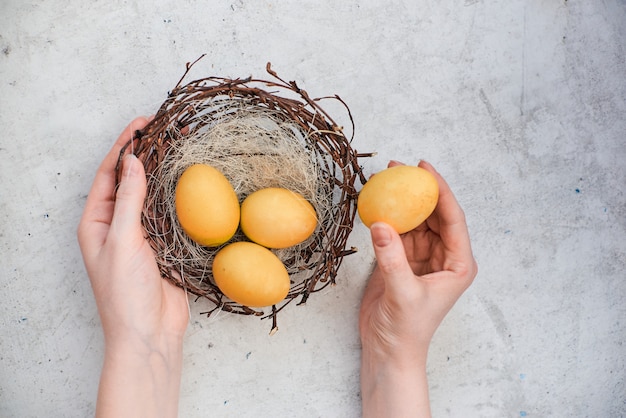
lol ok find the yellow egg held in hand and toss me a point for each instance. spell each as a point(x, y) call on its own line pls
point(402, 196)
point(207, 207)
point(277, 218)
point(250, 274)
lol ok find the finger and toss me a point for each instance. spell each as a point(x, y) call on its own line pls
point(98, 210)
point(451, 218)
point(391, 163)
point(394, 163)
point(104, 182)
point(391, 258)
point(130, 198)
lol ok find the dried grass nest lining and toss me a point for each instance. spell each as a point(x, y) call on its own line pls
point(254, 150)
point(258, 139)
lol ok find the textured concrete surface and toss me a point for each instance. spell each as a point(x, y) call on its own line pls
point(521, 105)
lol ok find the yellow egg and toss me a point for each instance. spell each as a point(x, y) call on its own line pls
point(401, 196)
point(277, 218)
point(250, 274)
point(206, 205)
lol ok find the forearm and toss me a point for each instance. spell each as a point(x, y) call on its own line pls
point(393, 390)
point(140, 382)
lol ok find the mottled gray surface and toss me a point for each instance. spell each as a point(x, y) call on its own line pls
point(521, 105)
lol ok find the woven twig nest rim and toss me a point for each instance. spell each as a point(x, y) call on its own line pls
point(205, 103)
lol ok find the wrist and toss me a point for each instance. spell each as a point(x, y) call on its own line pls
point(394, 351)
point(394, 385)
point(140, 377)
point(133, 343)
point(140, 350)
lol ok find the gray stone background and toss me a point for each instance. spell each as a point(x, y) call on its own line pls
point(520, 104)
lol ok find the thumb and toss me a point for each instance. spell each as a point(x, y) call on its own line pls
point(130, 195)
point(391, 257)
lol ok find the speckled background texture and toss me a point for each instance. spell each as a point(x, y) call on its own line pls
point(520, 104)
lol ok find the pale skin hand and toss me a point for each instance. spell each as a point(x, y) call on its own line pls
point(143, 316)
point(418, 278)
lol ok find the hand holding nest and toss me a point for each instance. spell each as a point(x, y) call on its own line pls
point(418, 278)
point(143, 317)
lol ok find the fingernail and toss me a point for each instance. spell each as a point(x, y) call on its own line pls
point(381, 236)
point(424, 163)
point(130, 165)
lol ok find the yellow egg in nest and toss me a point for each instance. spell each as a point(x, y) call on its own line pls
point(207, 206)
point(277, 218)
point(250, 274)
point(402, 196)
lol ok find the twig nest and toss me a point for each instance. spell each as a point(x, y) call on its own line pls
point(259, 134)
